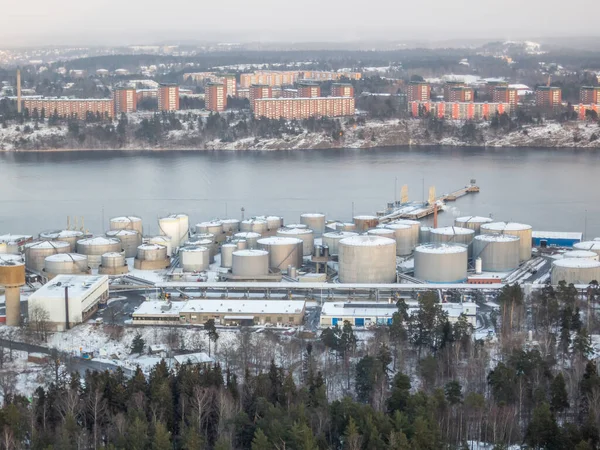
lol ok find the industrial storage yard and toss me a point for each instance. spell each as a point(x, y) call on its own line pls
point(260, 273)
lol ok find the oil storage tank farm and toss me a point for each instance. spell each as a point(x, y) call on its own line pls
point(332, 239)
point(472, 222)
point(283, 251)
point(314, 221)
point(113, 263)
point(176, 226)
point(127, 223)
point(152, 257)
point(70, 236)
point(254, 225)
point(214, 227)
point(95, 247)
point(250, 237)
point(575, 271)
point(194, 259)
point(522, 231)
point(415, 230)
point(250, 263)
point(367, 259)
point(498, 252)
point(591, 246)
point(585, 254)
point(456, 235)
point(36, 253)
point(163, 240)
point(441, 263)
point(404, 236)
point(307, 235)
point(230, 225)
point(424, 235)
point(65, 264)
point(130, 240)
point(227, 255)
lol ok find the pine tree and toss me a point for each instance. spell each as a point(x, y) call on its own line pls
point(542, 431)
point(261, 441)
point(582, 344)
point(559, 399)
point(162, 438)
point(138, 344)
point(352, 440)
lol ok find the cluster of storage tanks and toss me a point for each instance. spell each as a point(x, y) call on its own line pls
point(578, 266)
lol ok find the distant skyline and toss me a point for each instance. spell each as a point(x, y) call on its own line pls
point(130, 22)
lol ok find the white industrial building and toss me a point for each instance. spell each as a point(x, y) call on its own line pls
point(74, 295)
point(366, 314)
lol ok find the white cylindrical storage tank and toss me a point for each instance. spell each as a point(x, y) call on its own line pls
point(202, 236)
point(169, 226)
point(385, 232)
point(522, 231)
point(348, 226)
point(590, 246)
point(214, 227)
point(472, 222)
point(70, 236)
point(194, 259)
point(227, 254)
point(254, 226)
point(575, 271)
point(250, 237)
point(498, 252)
point(299, 226)
point(441, 263)
point(164, 241)
point(36, 253)
point(230, 225)
point(333, 238)
point(454, 235)
point(404, 235)
point(274, 223)
point(66, 263)
point(314, 221)
point(250, 263)
point(130, 240)
point(478, 266)
point(212, 247)
point(283, 251)
point(585, 254)
point(241, 244)
point(367, 259)
point(95, 247)
point(307, 236)
point(425, 235)
point(365, 223)
point(184, 226)
point(112, 260)
point(127, 223)
point(415, 229)
point(152, 252)
point(3, 247)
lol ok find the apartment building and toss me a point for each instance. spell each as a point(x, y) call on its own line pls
point(342, 90)
point(505, 94)
point(71, 107)
point(215, 97)
point(125, 100)
point(461, 94)
point(303, 108)
point(308, 90)
point(260, 91)
point(417, 91)
point(459, 110)
point(589, 95)
point(168, 97)
point(548, 96)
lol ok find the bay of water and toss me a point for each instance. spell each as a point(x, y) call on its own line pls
point(555, 190)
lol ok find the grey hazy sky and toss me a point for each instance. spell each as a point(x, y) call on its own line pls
point(37, 22)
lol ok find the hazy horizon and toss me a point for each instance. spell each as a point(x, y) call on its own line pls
point(134, 23)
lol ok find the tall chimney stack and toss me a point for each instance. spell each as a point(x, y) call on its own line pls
point(19, 106)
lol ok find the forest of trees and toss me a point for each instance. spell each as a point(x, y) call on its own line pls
point(421, 383)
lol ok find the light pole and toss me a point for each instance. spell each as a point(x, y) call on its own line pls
point(395, 190)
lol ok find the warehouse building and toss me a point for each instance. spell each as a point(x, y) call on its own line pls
point(555, 238)
point(223, 312)
point(75, 296)
point(366, 314)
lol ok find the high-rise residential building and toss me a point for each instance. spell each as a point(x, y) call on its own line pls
point(329, 76)
point(342, 90)
point(308, 90)
point(460, 94)
point(589, 95)
point(548, 96)
point(71, 107)
point(260, 91)
point(168, 97)
point(493, 84)
point(303, 108)
point(230, 84)
point(458, 110)
point(418, 91)
point(215, 97)
point(451, 85)
point(271, 78)
point(125, 100)
point(505, 94)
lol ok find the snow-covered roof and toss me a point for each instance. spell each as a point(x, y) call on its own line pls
point(381, 232)
point(497, 237)
point(367, 241)
point(79, 287)
point(98, 240)
point(398, 226)
point(580, 254)
point(556, 235)
point(576, 263)
point(279, 240)
point(441, 248)
point(65, 257)
point(313, 215)
point(452, 231)
point(112, 233)
point(406, 222)
point(193, 249)
point(254, 221)
point(162, 308)
point(295, 225)
point(246, 235)
point(126, 219)
point(194, 358)
point(380, 309)
point(587, 245)
point(366, 217)
point(229, 221)
point(15, 237)
point(212, 223)
point(112, 255)
point(10, 258)
point(47, 244)
point(294, 231)
point(151, 246)
point(57, 234)
point(504, 226)
point(474, 219)
point(244, 306)
point(339, 234)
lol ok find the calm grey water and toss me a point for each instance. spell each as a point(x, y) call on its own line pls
point(549, 189)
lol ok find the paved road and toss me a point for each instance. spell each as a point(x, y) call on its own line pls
point(118, 311)
point(73, 363)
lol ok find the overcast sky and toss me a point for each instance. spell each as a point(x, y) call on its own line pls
point(113, 22)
